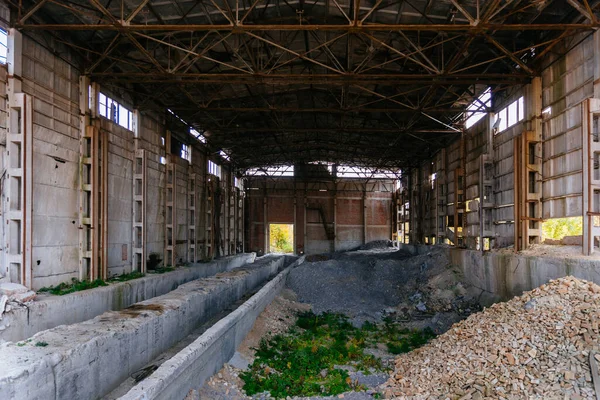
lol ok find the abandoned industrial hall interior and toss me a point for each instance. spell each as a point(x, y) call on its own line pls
point(290, 199)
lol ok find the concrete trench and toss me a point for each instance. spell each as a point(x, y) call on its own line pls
point(88, 360)
point(22, 323)
point(204, 357)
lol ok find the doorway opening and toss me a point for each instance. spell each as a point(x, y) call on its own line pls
point(281, 238)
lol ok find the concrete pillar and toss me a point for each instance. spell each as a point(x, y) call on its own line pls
point(304, 221)
point(14, 61)
point(265, 222)
point(365, 215)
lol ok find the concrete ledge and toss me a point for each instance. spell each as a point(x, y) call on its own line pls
point(51, 311)
point(189, 368)
point(503, 275)
point(89, 359)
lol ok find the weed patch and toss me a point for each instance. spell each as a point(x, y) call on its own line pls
point(301, 362)
point(74, 286)
point(162, 270)
point(127, 277)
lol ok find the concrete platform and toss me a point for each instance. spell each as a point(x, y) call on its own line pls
point(89, 359)
point(51, 311)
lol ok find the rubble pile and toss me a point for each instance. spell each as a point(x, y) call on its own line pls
point(539, 345)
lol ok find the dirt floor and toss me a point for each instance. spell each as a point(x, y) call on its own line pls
point(375, 284)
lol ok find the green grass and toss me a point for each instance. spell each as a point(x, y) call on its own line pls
point(127, 277)
point(74, 286)
point(291, 364)
point(162, 270)
point(41, 344)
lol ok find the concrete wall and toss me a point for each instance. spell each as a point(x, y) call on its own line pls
point(51, 76)
point(89, 359)
point(50, 311)
point(54, 85)
point(502, 275)
point(566, 82)
point(355, 210)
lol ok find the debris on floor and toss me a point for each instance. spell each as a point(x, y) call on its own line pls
point(15, 292)
point(535, 346)
point(372, 285)
point(13, 295)
point(404, 297)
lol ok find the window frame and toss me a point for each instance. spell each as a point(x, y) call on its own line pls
point(504, 114)
point(120, 115)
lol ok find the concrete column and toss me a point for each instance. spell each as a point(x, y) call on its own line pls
point(295, 221)
point(304, 222)
point(334, 221)
point(365, 215)
point(15, 62)
point(597, 64)
point(265, 222)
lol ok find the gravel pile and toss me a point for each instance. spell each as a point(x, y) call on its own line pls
point(422, 291)
point(535, 346)
point(360, 287)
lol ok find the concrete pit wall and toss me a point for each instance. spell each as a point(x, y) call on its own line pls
point(190, 368)
point(22, 323)
point(89, 359)
point(502, 275)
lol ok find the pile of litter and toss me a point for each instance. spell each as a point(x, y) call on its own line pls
point(540, 345)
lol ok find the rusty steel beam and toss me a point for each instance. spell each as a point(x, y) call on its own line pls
point(326, 110)
point(242, 130)
point(344, 78)
point(482, 27)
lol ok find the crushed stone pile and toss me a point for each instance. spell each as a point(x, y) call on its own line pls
point(419, 291)
point(536, 346)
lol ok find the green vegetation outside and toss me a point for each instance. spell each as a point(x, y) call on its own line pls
point(558, 228)
point(281, 238)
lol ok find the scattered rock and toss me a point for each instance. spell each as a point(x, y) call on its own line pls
point(16, 292)
point(508, 351)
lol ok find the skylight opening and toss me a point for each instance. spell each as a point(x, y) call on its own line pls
point(224, 155)
point(347, 171)
point(281, 170)
point(197, 135)
point(474, 113)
